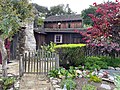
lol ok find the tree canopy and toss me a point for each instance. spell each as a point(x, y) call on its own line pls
point(13, 12)
point(86, 19)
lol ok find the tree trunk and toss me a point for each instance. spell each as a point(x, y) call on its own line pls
point(21, 43)
point(4, 58)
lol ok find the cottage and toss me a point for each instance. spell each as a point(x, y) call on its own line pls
point(60, 30)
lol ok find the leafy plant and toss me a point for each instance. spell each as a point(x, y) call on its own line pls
point(95, 78)
point(53, 73)
point(89, 87)
point(117, 82)
point(70, 84)
point(7, 82)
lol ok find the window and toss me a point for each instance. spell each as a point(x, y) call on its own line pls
point(58, 38)
point(68, 25)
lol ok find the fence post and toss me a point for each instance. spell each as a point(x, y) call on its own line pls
point(21, 66)
point(57, 60)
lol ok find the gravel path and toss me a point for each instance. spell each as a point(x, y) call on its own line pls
point(28, 81)
point(34, 82)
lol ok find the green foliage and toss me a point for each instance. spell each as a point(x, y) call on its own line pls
point(62, 72)
point(70, 84)
point(53, 73)
point(89, 87)
point(13, 12)
point(71, 54)
point(86, 18)
point(117, 82)
point(113, 62)
point(93, 63)
point(49, 48)
point(95, 78)
point(7, 82)
point(70, 45)
point(60, 9)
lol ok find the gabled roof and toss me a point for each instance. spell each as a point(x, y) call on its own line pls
point(71, 17)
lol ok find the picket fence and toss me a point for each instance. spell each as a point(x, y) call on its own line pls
point(40, 62)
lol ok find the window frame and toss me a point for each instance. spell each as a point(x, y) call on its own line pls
point(55, 38)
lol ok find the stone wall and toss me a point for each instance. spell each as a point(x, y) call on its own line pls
point(30, 43)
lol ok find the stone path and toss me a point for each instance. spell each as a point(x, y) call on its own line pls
point(34, 82)
point(28, 81)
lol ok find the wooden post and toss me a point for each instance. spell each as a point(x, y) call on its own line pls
point(4, 68)
point(21, 66)
point(57, 60)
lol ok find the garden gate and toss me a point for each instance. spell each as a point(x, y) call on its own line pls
point(40, 62)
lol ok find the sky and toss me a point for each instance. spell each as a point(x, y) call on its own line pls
point(75, 5)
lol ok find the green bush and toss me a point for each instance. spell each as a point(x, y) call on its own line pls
point(95, 62)
point(70, 84)
point(89, 87)
point(113, 62)
point(71, 54)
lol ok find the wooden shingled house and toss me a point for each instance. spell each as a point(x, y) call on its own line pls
point(60, 30)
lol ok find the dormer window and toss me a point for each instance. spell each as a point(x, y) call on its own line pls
point(59, 25)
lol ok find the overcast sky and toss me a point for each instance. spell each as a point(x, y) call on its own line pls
point(75, 5)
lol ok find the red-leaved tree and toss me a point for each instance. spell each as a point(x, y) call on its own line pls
point(105, 32)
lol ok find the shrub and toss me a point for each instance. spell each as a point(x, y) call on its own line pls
point(113, 62)
point(95, 62)
point(71, 54)
point(70, 84)
point(89, 87)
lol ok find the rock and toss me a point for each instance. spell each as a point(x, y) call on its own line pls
point(100, 75)
point(111, 78)
point(117, 68)
point(17, 84)
point(105, 86)
point(58, 89)
point(56, 86)
point(78, 71)
point(112, 68)
point(54, 81)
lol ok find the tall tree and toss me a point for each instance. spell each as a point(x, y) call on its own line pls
point(13, 13)
point(86, 19)
point(60, 9)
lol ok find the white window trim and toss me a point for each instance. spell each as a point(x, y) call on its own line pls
point(60, 38)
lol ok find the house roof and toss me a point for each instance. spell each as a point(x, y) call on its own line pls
point(65, 30)
point(62, 30)
point(71, 17)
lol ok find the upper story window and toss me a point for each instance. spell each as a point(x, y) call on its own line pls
point(58, 38)
point(69, 25)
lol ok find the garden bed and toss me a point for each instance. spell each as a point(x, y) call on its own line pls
point(82, 81)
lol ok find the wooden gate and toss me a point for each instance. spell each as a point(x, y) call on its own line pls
point(40, 62)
